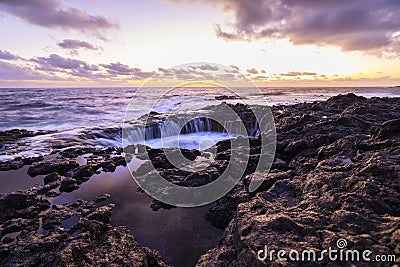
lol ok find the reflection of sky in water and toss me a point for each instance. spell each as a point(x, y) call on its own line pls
point(164, 230)
point(14, 180)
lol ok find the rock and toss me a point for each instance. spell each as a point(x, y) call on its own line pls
point(348, 189)
point(68, 185)
point(52, 194)
point(8, 239)
point(320, 140)
point(101, 214)
point(44, 190)
point(227, 97)
point(296, 147)
point(60, 166)
point(90, 241)
point(156, 205)
point(12, 226)
point(52, 177)
point(390, 129)
point(102, 198)
point(190, 154)
point(21, 204)
point(202, 177)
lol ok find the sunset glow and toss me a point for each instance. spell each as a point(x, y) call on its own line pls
point(100, 43)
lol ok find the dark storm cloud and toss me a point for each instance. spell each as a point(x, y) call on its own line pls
point(74, 46)
point(5, 55)
point(51, 14)
point(364, 25)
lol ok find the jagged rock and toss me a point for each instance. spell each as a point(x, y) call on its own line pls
point(21, 204)
point(102, 198)
point(90, 241)
point(102, 214)
point(296, 147)
point(48, 167)
point(68, 185)
point(156, 205)
point(348, 189)
point(52, 177)
point(390, 129)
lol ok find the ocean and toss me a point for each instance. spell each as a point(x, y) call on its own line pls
point(71, 111)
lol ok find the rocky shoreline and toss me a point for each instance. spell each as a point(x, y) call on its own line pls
point(335, 175)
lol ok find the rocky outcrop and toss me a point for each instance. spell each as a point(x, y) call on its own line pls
point(66, 235)
point(336, 175)
point(10, 136)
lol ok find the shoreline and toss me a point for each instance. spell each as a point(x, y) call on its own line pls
point(334, 176)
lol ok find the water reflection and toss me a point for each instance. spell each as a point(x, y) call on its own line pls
point(181, 234)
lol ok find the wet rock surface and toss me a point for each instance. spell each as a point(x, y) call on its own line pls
point(10, 136)
point(336, 175)
point(79, 234)
point(33, 232)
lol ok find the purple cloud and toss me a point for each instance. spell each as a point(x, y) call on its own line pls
point(56, 63)
point(202, 72)
point(51, 14)
point(363, 25)
point(5, 55)
point(9, 71)
point(124, 70)
point(75, 45)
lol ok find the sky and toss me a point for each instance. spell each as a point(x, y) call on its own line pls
point(102, 43)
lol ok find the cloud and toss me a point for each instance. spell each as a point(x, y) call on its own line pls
point(196, 73)
point(382, 79)
point(252, 71)
point(124, 70)
point(75, 45)
point(206, 67)
point(58, 63)
point(69, 71)
point(9, 71)
point(298, 73)
point(357, 25)
point(5, 55)
point(188, 74)
point(51, 14)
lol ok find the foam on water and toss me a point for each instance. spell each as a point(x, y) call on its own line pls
point(199, 140)
point(73, 111)
point(66, 108)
